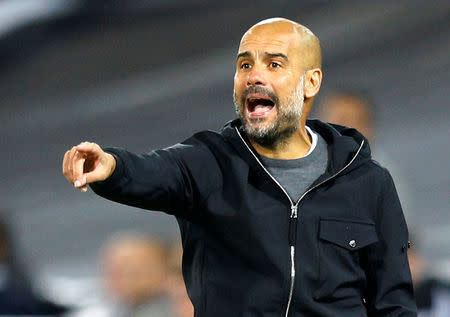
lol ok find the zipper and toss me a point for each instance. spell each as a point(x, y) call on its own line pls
point(294, 212)
point(292, 239)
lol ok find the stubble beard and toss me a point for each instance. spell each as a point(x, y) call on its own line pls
point(283, 126)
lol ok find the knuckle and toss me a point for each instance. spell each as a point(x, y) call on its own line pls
point(80, 157)
point(68, 176)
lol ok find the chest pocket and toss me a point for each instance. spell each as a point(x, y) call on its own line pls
point(348, 234)
point(340, 244)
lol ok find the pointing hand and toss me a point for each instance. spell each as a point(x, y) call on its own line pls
point(87, 163)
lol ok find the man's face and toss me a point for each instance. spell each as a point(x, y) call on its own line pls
point(349, 111)
point(268, 83)
point(133, 272)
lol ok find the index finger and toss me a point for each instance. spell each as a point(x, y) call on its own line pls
point(78, 168)
point(87, 147)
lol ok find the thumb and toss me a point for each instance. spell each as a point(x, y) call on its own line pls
point(88, 178)
point(93, 176)
point(102, 171)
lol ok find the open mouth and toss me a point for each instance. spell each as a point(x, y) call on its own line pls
point(259, 105)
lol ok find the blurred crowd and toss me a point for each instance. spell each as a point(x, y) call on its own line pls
point(140, 276)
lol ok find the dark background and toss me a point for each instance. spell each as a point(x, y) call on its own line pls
point(147, 74)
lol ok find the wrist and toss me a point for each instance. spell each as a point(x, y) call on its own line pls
point(111, 164)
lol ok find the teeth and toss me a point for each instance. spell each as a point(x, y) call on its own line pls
point(256, 99)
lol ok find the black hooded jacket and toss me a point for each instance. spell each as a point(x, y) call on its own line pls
point(249, 251)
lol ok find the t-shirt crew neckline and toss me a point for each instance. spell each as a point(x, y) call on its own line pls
point(293, 162)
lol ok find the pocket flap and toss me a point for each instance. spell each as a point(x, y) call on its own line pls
point(349, 234)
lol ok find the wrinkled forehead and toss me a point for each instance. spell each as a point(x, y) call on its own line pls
point(280, 35)
point(264, 38)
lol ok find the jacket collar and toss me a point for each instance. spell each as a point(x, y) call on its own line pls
point(343, 144)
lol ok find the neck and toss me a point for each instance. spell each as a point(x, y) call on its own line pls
point(294, 147)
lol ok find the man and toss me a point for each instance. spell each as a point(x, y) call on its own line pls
point(134, 274)
point(351, 108)
point(179, 299)
point(277, 218)
point(17, 296)
point(432, 293)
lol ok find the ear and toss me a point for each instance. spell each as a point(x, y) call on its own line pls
point(313, 80)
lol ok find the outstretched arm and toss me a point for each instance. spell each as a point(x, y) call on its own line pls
point(170, 180)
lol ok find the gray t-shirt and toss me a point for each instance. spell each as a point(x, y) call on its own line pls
point(297, 175)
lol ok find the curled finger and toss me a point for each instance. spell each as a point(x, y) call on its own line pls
point(78, 169)
point(70, 164)
point(65, 166)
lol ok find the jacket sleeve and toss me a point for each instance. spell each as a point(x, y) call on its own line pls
point(389, 289)
point(162, 180)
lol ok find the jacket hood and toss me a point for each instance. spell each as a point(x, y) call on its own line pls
point(346, 146)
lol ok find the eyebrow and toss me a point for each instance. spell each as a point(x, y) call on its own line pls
point(244, 54)
point(266, 55)
point(273, 55)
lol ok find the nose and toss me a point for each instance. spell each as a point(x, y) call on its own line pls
point(255, 77)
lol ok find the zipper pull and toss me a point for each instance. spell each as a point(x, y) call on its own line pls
point(293, 225)
point(294, 211)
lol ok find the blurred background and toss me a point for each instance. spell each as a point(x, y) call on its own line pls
point(145, 74)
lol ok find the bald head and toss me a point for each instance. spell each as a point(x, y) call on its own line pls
point(308, 43)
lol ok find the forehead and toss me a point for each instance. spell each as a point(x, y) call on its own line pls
point(270, 39)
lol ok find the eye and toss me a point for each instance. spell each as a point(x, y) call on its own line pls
point(275, 65)
point(245, 66)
